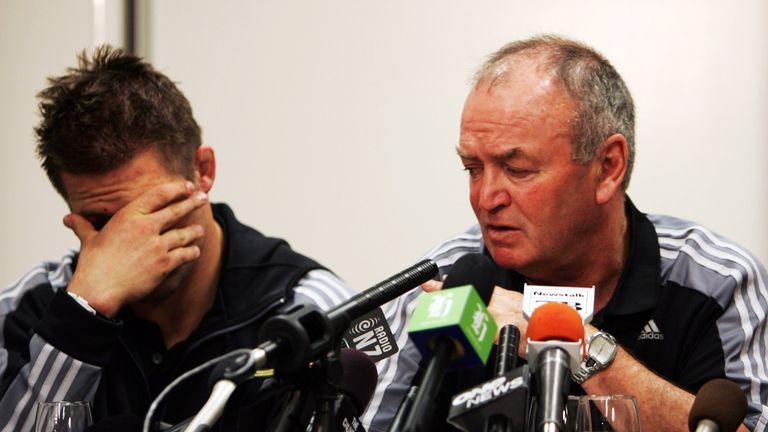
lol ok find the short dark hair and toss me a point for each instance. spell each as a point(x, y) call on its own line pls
point(101, 114)
point(605, 104)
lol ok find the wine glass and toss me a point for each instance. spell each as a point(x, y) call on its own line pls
point(63, 416)
point(617, 413)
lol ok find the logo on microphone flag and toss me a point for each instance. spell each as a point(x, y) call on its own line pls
point(372, 335)
point(460, 314)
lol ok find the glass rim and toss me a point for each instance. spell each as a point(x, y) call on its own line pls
point(72, 403)
point(601, 397)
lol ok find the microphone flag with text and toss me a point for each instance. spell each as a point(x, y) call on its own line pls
point(451, 328)
point(372, 335)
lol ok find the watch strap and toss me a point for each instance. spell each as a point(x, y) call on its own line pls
point(583, 373)
point(590, 366)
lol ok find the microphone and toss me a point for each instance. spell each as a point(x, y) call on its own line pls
point(506, 355)
point(452, 328)
point(555, 347)
point(720, 406)
point(305, 332)
point(302, 334)
point(506, 360)
point(356, 389)
point(501, 404)
point(449, 313)
point(381, 293)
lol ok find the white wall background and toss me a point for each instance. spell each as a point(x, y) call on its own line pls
point(335, 122)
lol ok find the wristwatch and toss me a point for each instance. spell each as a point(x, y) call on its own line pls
point(601, 350)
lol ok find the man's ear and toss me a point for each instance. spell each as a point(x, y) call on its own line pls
point(611, 168)
point(205, 167)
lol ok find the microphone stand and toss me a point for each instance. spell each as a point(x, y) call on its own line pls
point(292, 417)
point(420, 412)
point(318, 388)
point(326, 392)
point(398, 423)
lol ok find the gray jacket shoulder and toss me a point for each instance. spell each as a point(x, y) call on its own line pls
point(53, 273)
point(698, 258)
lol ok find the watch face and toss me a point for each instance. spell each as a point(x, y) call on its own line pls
point(602, 349)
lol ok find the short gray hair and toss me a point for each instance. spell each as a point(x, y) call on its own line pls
point(605, 104)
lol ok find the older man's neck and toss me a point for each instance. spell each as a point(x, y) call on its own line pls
point(599, 265)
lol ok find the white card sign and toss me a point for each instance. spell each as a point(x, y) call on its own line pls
point(581, 299)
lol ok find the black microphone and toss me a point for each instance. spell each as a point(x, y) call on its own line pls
point(506, 354)
point(356, 389)
point(506, 361)
point(501, 404)
point(720, 406)
point(305, 333)
point(436, 326)
point(381, 293)
point(473, 269)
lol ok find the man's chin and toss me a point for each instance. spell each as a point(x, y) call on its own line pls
point(160, 294)
point(509, 259)
point(167, 288)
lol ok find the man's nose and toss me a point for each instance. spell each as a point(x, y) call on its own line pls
point(493, 194)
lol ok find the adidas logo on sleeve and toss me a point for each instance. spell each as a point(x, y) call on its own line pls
point(651, 331)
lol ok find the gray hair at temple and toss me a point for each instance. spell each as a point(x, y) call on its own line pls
point(605, 104)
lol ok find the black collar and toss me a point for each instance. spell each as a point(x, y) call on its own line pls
point(640, 281)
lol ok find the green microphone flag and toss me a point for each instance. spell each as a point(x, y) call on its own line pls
point(458, 314)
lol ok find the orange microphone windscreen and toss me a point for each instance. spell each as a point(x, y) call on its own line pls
point(555, 321)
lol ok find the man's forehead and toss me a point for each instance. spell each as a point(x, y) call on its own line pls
point(91, 198)
point(511, 107)
point(109, 191)
point(501, 153)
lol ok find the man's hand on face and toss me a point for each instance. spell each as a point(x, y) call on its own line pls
point(139, 246)
point(506, 307)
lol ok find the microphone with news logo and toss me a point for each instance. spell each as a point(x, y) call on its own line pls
point(453, 329)
point(501, 404)
point(555, 347)
point(720, 406)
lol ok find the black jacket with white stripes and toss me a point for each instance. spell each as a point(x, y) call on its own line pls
point(53, 349)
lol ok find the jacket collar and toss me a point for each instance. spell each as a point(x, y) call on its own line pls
point(640, 281)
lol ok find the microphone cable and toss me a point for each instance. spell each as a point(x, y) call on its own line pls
point(210, 363)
